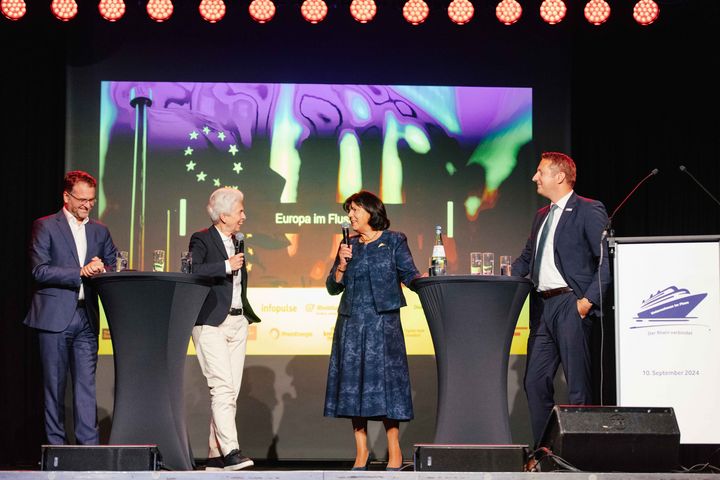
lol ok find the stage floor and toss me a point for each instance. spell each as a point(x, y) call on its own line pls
point(338, 475)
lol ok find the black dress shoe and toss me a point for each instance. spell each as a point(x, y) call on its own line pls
point(236, 461)
point(214, 464)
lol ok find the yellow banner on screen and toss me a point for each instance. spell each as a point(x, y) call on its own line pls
point(300, 321)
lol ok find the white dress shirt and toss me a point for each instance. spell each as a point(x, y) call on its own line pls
point(237, 279)
point(78, 233)
point(549, 276)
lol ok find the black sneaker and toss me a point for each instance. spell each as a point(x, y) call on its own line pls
point(236, 461)
point(214, 464)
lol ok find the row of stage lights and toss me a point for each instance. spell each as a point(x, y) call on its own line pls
point(415, 12)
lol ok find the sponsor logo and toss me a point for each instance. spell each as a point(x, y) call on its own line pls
point(671, 305)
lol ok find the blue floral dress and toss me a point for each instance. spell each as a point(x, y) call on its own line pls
point(368, 371)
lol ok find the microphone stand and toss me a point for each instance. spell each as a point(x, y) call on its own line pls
point(610, 234)
point(683, 169)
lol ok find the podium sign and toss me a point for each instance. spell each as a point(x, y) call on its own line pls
point(667, 329)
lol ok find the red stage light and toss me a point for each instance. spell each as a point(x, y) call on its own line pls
point(262, 10)
point(508, 11)
point(597, 11)
point(416, 11)
point(363, 10)
point(13, 9)
point(553, 11)
point(111, 10)
point(212, 10)
point(461, 11)
point(646, 12)
point(64, 9)
point(160, 10)
point(314, 11)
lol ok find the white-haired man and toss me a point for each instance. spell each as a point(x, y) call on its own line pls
point(220, 333)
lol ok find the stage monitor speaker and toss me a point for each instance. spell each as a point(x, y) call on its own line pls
point(612, 439)
point(469, 458)
point(100, 458)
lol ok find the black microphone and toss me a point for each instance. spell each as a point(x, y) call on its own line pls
point(683, 169)
point(608, 228)
point(239, 242)
point(346, 235)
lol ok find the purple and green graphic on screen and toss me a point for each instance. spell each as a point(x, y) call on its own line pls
point(435, 155)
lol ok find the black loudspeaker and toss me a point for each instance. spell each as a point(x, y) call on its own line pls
point(100, 457)
point(611, 439)
point(469, 458)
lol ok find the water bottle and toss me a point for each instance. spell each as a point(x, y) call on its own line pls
point(438, 260)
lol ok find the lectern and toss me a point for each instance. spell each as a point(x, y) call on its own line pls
point(151, 316)
point(472, 321)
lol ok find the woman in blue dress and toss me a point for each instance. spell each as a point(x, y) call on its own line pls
point(368, 375)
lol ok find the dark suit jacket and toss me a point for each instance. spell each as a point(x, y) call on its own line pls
point(56, 271)
point(392, 263)
point(577, 243)
point(208, 256)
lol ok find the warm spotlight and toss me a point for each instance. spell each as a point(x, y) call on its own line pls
point(416, 11)
point(159, 10)
point(461, 11)
point(111, 10)
point(64, 9)
point(508, 11)
point(553, 11)
point(597, 11)
point(212, 10)
point(314, 11)
point(646, 12)
point(262, 10)
point(363, 10)
point(13, 9)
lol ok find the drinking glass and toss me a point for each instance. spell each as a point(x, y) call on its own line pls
point(505, 265)
point(186, 262)
point(121, 261)
point(488, 263)
point(475, 263)
point(158, 260)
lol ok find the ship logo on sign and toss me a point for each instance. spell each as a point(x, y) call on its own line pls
point(669, 304)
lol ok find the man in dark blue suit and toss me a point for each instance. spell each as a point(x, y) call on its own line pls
point(566, 257)
point(67, 249)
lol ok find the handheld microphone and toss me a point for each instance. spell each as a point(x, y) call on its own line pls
point(608, 228)
point(683, 169)
point(346, 235)
point(239, 242)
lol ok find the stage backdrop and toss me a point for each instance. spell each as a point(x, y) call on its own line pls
point(436, 155)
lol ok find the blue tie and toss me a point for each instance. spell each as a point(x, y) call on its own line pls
point(541, 244)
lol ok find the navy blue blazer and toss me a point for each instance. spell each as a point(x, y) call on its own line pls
point(208, 256)
point(56, 271)
point(390, 258)
point(577, 244)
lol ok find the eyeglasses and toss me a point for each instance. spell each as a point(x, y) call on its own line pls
point(83, 201)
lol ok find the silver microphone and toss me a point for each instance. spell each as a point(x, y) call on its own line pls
point(346, 235)
point(239, 242)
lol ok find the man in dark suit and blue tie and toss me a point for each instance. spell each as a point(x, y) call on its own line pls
point(67, 249)
point(566, 257)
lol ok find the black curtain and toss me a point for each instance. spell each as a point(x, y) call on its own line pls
point(32, 132)
point(646, 98)
point(642, 98)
